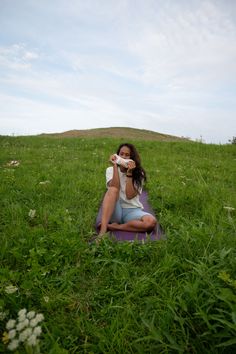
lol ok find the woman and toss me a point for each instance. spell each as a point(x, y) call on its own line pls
point(121, 207)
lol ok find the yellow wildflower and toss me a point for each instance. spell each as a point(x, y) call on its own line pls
point(5, 337)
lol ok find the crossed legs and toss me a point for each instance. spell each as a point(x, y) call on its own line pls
point(146, 224)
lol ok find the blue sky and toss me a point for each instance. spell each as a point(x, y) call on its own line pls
point(162, 65)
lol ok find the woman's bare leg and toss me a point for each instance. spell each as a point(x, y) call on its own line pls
point(108, 206)
point(146, 224)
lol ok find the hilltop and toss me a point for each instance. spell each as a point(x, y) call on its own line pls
point(117, 132)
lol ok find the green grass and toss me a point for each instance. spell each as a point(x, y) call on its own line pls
point(172, 296)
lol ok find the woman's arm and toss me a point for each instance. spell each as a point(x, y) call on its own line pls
point(130, 190)
point(115, 181)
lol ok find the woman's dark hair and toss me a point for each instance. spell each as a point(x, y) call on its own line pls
point(139, 174)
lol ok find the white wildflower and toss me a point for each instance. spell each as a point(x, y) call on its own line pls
point(12, 334)
point(229, 208)
point(24, 330)
point(21, 318)
point(33, 322)
point(10, 324)
point(13, 344)
point(22, 312)
point(39, 317)
point(25, 334)
point(31, 315)
point(22, 315)
point(37, 331)
point(46, 298)
point(26, 322)
point(13, 163)
point(32, 213)
point(32, 340)
point(43, 183)
point(11, 289)
point(21, 325)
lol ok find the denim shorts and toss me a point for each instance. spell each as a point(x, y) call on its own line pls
point(123, 215)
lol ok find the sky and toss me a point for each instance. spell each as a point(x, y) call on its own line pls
point(162, 65)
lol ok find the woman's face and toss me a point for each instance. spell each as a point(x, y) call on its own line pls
point(125, 152)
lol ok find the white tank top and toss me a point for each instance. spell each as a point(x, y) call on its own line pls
point(124, 202)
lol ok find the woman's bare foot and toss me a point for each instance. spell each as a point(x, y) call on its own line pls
point(101, 229)
point(101, 237)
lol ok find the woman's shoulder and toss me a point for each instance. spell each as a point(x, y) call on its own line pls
point(109, 169)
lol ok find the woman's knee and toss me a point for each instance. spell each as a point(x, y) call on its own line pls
point(150, 222)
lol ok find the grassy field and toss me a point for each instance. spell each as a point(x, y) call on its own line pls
point(172, 296)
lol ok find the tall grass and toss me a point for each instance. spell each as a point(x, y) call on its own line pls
point(172, 296)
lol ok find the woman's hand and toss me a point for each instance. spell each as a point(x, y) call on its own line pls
point(113, 159)
point(131, 167)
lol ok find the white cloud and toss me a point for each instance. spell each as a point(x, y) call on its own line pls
point(186, 44)
point(167, 66)
point(17, 57)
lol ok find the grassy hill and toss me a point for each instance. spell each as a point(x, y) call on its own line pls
point(117, 132)
point(172, 296)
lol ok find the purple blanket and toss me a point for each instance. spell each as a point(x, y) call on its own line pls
point(156, 234)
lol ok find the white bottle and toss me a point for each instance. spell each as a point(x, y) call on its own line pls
point(123, 162)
